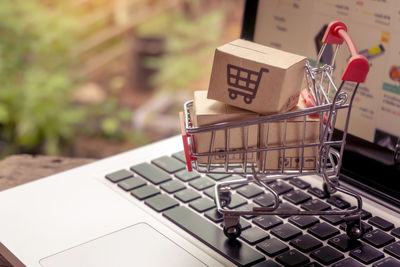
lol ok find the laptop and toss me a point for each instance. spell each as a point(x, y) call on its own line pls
point(143, 208)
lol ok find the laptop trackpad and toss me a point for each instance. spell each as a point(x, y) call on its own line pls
point(137, 245)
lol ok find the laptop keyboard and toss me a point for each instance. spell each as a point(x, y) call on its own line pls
point(186, 199)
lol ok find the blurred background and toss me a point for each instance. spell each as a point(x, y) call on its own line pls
point(93, 78)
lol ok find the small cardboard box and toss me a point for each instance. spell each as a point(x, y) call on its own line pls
point(207, 112)
point(272, 135)
point(256, 77)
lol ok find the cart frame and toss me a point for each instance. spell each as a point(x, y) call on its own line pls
point(320, 85)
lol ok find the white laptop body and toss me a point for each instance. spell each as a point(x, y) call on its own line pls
point(79, 218)
point(42, 220)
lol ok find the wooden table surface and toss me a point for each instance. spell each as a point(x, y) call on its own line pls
point(19, 169)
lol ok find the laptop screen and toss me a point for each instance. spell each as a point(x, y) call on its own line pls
point(298, 26)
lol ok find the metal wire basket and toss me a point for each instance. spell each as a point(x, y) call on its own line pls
point(324, 100)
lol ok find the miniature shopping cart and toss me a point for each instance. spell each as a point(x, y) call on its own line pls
point(325, 101)
point(244, 82)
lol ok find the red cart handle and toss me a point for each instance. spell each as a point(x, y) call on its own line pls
point(185, 137)
point(357, 67)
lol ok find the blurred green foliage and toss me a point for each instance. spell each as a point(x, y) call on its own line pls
point(35, 112)
point(190, 41)
point(112, 122)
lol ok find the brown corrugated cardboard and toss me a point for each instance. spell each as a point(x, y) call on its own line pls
point(207, 112)
point(255, 77)
point(273, 135)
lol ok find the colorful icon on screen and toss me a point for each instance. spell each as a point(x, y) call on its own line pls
point(394, 73)
point(373, 51)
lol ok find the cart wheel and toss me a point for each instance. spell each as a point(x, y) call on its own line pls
point(233, 232)
point(232, 95)
point(225, 198)
point(354, 230)
point(247, 99)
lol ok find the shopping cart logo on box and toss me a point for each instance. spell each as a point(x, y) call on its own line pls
point(244, 81)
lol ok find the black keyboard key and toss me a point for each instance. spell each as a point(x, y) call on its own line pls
point(238, 252)
point(396, 232)
point(317, 192)
point(202, 204)
point(393, 249)
point(286, 231)
point(265, 200)
point(267, 221)
point(202, 183)
point(234, 178)
point(210, 192)
point(312, 264)
point(315, 205)
point(344, 243)
point(378, 238)
point(151, 173)
point(145, 191)
point(381, 223)
point(348, 262)
point(168, 164)
point(250, 191)
point(292, 258)
point(120, 175)
point(172, 186)
point(272, 247)
point(305, 243)
point(219, 176)
point(365, 225)
point(296, 196)
point(299, 183)
point(333, 219)
point(338, 202)
point(326, 255)
point(268, 263)
point(365, 214)
point(247, 207)
point(281, 187)
point(366, 254)
point(236, 201)
point(180, 155)
point(131, 183)
point(286, 207)
point(387, 262)
point(303, 221)
point(323, 230)
point(254, 235)
point(161, 202)
point(214, 216)
point(243, 224)
point(187, 195)
point(186, 176)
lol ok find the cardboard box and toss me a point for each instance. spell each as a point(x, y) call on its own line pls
point(207, 112)
point(272, 135)
point(256, 77)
